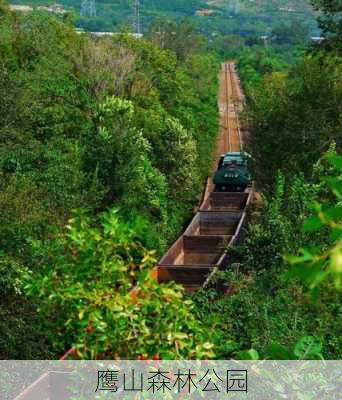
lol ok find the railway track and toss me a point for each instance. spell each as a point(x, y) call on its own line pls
point(218, 224)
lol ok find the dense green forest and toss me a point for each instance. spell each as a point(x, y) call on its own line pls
point(89, 125)
point(221, 17)
point(104, 147)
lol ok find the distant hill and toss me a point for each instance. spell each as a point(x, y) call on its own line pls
point(243, 17)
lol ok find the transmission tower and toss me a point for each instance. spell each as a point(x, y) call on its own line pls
point(234, 6)
point(237, 7)
point(137, 21)
point(88, 8)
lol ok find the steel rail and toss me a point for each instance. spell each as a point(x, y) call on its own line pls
point(192, 253)
point(227, 86)
point(237, 108)
point(232, 103)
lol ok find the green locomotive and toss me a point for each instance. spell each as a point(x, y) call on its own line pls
point(233, 173)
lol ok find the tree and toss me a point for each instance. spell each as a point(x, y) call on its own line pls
point(294, 118)
point(182, 37)
point(3, 7)
point(330, 21)
point(293, 34)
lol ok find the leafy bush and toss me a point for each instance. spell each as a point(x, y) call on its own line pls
point(314, 265)
point(85, 299)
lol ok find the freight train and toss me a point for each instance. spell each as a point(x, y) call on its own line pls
point(233, 172)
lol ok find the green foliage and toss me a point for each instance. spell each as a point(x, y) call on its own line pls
point(330, 22)
point(264, 311)
point(182, 38)
point(293, 34)
point(84, 297)
point(252, 314)
point(294, 118)
point(92, 124)
point(246, 19)
point(248, 355)
point(315, 265)
point(3, 7)
point(277, 226)
point(131, 124)
point(306, 348)
point(138, 179)
point(269, 319)
point(18, 324)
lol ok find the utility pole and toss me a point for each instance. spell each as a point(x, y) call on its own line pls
point(137, 21)
point(88, 8)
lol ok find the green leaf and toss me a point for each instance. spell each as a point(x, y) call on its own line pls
point(335, 184)
point(312, 224)
point(308, 347)
point(207, 346)
point(336, 161)
point(251, 354)
point(336, 234)
point(276, 351)
point(303, 258)
point(334, 213)
point(311, 274)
